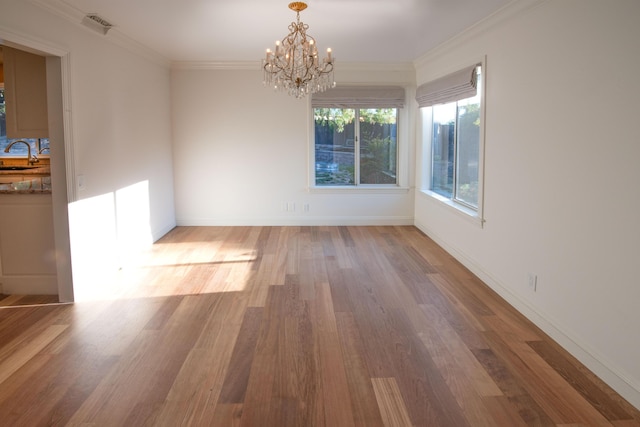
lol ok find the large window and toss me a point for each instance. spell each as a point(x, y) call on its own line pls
point(455, 150)
point(355, 146)
point(454, 137)
point(356, 136)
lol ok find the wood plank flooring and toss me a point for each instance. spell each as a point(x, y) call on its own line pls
point(13, 300)
point(292, 326)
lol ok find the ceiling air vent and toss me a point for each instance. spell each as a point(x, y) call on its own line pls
point(96, 23)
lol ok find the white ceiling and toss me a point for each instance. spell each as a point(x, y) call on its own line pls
point(241, 30)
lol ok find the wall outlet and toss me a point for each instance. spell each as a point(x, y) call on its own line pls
point(532, 281)
point(305, 207)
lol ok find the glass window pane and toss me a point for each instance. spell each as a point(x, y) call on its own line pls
point(334, 146)
point(443, 149)
point(468, 151)
point(455, 149)
point(3, 123)
point(378, 145)
point(43, 144)
point(19, 149)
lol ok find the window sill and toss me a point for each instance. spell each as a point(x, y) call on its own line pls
point(461, 210)
point(358, 190)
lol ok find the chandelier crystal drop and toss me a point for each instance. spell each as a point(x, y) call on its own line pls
point(294, 66)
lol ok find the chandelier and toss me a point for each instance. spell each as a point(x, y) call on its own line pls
point(294, 66)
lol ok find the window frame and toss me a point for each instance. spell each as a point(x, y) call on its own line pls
point(357, 150)
point(402, 158)
point(455, 205)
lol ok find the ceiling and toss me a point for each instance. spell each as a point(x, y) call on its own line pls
point(241, 30)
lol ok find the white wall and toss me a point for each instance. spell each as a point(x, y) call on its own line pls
point(561, 175)
point(118, 127)
point(241, 153)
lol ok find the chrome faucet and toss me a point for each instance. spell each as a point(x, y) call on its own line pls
point(30, 158)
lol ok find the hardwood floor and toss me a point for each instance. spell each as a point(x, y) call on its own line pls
point(293, 326)
point(13, 300)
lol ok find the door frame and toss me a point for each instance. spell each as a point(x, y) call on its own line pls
point(58, 63)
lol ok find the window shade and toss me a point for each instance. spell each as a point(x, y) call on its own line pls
point(360, 96)
point(453, 87)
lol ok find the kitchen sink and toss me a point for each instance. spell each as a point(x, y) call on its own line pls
point(16, 168)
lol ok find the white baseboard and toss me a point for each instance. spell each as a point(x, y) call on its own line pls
point(159, 232)
point(298, 221)
point(598, 364)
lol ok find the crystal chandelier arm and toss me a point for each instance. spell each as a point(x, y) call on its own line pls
point(294, 65)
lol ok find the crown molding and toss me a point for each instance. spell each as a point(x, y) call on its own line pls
point(216, 65)
point(75, 16)
point(28, 43)
point(512, 9)
point(378, 66)
point(256, 66)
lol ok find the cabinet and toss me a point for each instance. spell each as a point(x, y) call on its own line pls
point(25, 93)
point(27, 247)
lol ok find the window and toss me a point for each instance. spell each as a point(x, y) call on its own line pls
point(39, 146)
point(355, 145)
point(455, 150)
point(454, 137)
point(3, 121)
point(356, 136)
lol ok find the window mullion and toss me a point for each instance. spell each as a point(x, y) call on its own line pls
point(356, 152)
point(455, 154)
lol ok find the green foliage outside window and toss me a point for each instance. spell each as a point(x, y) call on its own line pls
point(338, 118)
point(375, 162)
point(341, 144)
point(2, 106)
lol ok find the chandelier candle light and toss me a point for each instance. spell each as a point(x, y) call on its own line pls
point(294, 66)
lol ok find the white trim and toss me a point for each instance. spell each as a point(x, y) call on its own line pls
point(69, 150)
point(482, 87)
point(133, 46)
point(457, 208)
point(358, 189)
point(161, 231)
point(75, 16)
point(378, 66)
point(298, 220)
point(64, 280)
point(609, 372)
point(28, 43)
point(257, 66)
point(503, 14)
point(216, 65)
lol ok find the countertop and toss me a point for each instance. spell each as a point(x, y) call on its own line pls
point(29, 181)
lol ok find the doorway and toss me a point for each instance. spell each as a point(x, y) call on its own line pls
point(61, 152)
